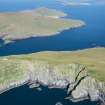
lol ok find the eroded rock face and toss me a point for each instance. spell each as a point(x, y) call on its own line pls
point(73, 77)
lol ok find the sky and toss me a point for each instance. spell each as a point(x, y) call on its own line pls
point(67, 2)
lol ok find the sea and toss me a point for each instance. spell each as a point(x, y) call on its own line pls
point(90, 36)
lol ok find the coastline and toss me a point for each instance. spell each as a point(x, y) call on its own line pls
point(73, 77)
point(35, 23)
point(12, 87)
point(75, 100)
point(6, 41)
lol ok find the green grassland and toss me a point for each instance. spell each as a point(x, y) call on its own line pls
point(12, 71)
point(31, 23)
point(93, 59)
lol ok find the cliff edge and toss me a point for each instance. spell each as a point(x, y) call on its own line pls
point(74, 77)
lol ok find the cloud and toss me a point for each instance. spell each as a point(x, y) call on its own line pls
point(82, 2)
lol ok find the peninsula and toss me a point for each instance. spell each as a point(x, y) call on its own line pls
point(80, 72)
point(32, 23)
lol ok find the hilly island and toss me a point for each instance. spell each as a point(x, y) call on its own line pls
point(31, 23)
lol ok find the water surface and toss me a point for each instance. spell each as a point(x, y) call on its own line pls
point(91, 35)
point(26, 96)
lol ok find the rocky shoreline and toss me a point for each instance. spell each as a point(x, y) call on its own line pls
point(79, 84)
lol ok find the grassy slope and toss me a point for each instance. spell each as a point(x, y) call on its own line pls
point(93, 59)
point(12, 71)
point(39, 22)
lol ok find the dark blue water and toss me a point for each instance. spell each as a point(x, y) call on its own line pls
point(92, 35)
point(26, 96)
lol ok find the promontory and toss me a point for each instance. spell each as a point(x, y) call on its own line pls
point(81, 72)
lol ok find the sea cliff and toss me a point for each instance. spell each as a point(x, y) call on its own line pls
point(74, 77)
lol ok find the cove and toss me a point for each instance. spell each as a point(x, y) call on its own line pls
point(24, 95)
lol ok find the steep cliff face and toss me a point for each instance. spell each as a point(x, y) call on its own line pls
point(73, 77)
point(58, 70)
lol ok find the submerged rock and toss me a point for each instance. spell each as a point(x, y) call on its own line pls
point(58, 103)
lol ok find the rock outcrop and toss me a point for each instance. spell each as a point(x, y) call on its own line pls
point(73, 77)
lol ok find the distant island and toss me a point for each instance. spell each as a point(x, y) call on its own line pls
point(81, 72)
point(31, 23)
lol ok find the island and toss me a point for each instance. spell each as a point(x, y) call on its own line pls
point(32, 23)
point(81, 72)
